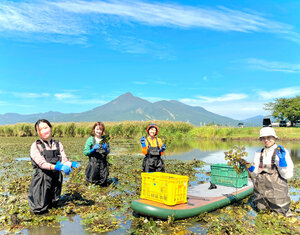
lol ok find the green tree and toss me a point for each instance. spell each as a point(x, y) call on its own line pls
point(285, 109)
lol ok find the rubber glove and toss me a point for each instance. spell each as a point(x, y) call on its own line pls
point(163, 148)
point(75, 165)
point(105, 146)
point(94, 149)
point(58, 166)
point(251, 168)
point(66, 169)
point(281, 154)
point(143, 141)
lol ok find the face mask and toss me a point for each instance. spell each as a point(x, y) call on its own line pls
point(45, 133)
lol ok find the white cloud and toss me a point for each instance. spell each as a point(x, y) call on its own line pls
point(64, 96)
point(30, 94)
point(77, 18)
point(205, 99)
point(285, 92)
point(74, 99)
point(274, 66)
point(237, 110)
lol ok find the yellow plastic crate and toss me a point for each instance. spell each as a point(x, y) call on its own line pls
point(169, 189)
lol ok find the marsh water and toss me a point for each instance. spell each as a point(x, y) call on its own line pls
point(207, 151)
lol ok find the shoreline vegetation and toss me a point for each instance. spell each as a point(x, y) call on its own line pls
point(136, 129)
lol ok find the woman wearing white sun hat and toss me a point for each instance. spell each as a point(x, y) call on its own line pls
point(271, 169)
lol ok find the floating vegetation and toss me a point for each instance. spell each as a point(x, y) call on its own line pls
point(103, 209)
point(235, 158)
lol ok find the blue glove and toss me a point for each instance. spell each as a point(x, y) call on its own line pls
point(58, 166)
point(75, 165)
point(251, 168)
point(163, 148)
point(66, 169)
point(143, 141)
point(105, 146)
point(97, 146)
point(281, 154)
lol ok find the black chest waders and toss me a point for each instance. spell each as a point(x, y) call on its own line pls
point(97, 169)
point(45, 187)
point(152, 162)
point(270, 189)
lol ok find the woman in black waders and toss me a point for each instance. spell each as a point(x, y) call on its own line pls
point(49, 160)
point(97, 149)
point(153, 148)
point(271, 169)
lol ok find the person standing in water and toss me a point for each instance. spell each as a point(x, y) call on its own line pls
point(271, 169)
point(153, 149)
point(97, 149)
point(49, 160)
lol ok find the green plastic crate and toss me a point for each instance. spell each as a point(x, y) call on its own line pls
point(222, 174)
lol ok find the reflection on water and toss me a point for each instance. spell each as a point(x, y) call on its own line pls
point(70, 226)
point(205, 150)
point(213, 152)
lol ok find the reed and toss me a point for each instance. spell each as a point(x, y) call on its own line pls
point(169, 130)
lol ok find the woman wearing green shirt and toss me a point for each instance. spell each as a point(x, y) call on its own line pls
point(97, 150)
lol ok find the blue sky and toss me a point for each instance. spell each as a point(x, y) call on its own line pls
point(230, 57)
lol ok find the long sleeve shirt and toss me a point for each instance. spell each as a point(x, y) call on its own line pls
point(39, 159)
point(153, 144)
point(285, 172)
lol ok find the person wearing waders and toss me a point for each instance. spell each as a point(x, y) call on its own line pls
point(49, 160)
point(153, 149)
point(271, 169)
point(97, 150)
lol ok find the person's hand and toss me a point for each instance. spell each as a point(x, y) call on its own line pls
point(163, 148)
point(251, 168)
point(66, 169)
point(58, 166)
point(105, 146)
point(281, 155)
point(75, 165)
point(143, 141)
point(94, 149)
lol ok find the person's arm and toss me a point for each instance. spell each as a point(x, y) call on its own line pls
point(87, 148)
point(288, 171)
point(161, 146)
point(255, 164)
point(39, 159)
point(64, 159)
point(144, 145)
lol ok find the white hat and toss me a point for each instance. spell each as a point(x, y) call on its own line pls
point(267, 131)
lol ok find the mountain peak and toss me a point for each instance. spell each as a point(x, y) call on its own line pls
point(127, 94)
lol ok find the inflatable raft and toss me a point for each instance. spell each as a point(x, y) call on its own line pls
point(199, 199)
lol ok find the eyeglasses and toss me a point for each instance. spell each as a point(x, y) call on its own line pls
point(266, 138)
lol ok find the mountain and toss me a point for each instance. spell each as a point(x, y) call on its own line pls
point(12, 118)
point(255, 121)
point(129, 107)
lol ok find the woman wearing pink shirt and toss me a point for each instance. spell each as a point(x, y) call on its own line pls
point(48, 160)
